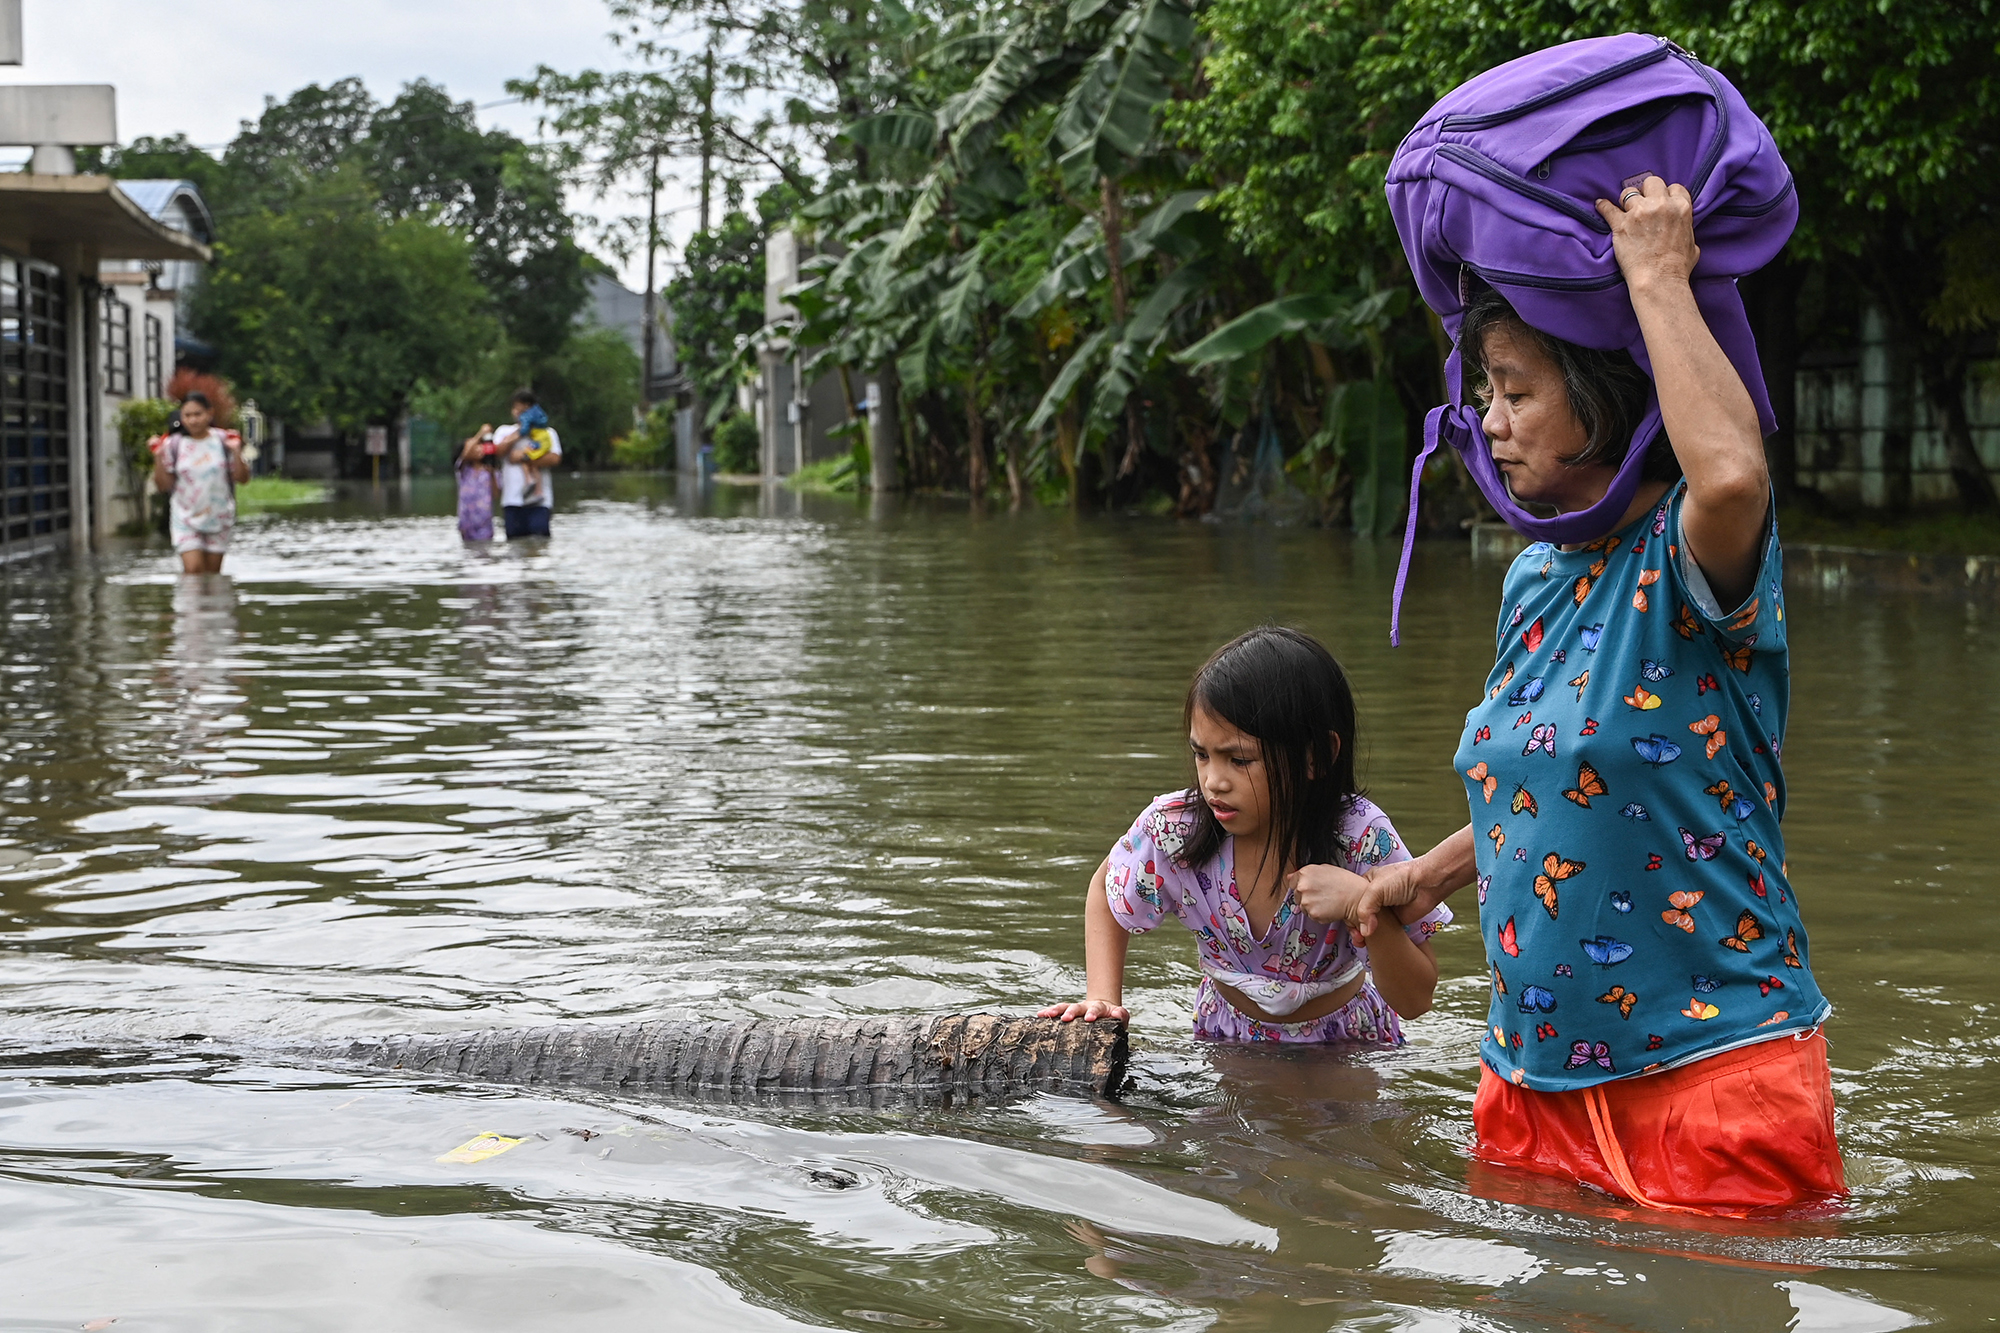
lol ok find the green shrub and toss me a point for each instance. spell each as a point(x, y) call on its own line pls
point(736, 445)
point(648, 445)
point(590, 389)
point(139, 420)
point(829, 476)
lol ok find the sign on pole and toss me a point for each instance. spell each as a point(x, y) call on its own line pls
point(378, 445)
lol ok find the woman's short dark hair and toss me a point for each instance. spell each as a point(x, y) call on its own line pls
point(197, 397)
point(1607, 391)
point(1286, 690)
point(524, 396)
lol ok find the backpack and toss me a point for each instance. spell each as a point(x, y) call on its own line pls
point(1496, 185)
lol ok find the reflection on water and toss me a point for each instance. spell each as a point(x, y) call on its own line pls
point(748, 754)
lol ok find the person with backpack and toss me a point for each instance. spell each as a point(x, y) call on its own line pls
point(200, 467)
point(1578, 219)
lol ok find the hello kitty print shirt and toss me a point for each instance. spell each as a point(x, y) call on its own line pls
point(1297, 958)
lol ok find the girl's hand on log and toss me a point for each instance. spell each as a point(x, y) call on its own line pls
point(1088, 1010)
point(1328, 894)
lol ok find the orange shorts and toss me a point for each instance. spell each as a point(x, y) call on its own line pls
point(1745, 1130)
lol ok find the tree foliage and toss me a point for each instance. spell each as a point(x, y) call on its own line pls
point(718, 305)
point(1131, 249)
point(369, 254)
point(326, 310)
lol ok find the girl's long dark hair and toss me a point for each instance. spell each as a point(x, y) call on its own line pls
point(1285, 689)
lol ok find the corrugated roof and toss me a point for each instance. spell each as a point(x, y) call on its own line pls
point(157, 197)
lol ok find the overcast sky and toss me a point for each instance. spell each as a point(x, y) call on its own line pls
point(199, 67)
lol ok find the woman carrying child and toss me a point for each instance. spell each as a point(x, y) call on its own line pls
point(1270, 723)
point(528, 449)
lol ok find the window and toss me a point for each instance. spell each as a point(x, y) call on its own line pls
point(117, 333)
point(156, 357)
point(34, 405)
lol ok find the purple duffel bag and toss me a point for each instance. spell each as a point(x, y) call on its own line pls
point(1497, 185)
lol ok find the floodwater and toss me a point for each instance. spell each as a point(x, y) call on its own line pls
point(736, 755)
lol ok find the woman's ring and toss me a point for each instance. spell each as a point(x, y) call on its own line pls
point(1626, 197)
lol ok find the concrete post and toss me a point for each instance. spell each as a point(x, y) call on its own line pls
point(885, 432)
point(85, 396)
point(1885, 415)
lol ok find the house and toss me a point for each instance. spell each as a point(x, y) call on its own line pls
point(616, 306)
point(613, 305)
point(141, 317)
point(795, 413)
point(61, 470)
point(63, 480)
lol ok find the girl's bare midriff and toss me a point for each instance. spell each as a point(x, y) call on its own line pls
point(1318, 1007)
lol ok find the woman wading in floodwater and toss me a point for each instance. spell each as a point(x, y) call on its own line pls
point(1578, 219)
point(200, 468)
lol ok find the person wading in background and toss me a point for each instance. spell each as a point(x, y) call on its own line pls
point(478, 485)
point(530, 448)
point(201, 469)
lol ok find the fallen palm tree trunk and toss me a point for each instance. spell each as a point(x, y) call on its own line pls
point(875, 1060)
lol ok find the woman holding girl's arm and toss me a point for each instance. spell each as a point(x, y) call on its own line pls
point(1654, 1023)
point(1408, 890)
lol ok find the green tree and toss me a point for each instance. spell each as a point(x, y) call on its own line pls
point(171, 157)
point(590, 388)
point(428, 157)
point(296, 144)
point(421, 156)
point(718, 305)
point(325, 310)
point(346, 229)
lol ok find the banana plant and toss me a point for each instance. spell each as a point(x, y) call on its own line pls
point(1360, 444)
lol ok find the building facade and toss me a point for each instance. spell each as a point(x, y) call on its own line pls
point(796, 409)
point(64, 481)
point(140, 312)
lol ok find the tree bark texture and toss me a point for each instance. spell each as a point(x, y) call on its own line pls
point(975, 447)
point(1772, 299)
point(1114, 256)
point(1944, 375)
point(877, 1061)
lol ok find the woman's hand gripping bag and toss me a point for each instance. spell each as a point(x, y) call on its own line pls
point(1498, 184)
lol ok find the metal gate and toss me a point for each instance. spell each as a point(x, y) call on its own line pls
point(35, 506)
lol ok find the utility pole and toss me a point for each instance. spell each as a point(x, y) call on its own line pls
point(652, 310)
point(707, 130)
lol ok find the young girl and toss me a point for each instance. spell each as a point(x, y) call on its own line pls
point(478, 486)
point(1270, 720)
point(201, 469)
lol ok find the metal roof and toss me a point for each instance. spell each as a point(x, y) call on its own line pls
point(157, 197)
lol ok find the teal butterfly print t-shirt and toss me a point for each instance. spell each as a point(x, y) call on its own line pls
point(1625, 782)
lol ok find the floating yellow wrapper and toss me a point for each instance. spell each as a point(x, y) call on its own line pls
point(479, 1148)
